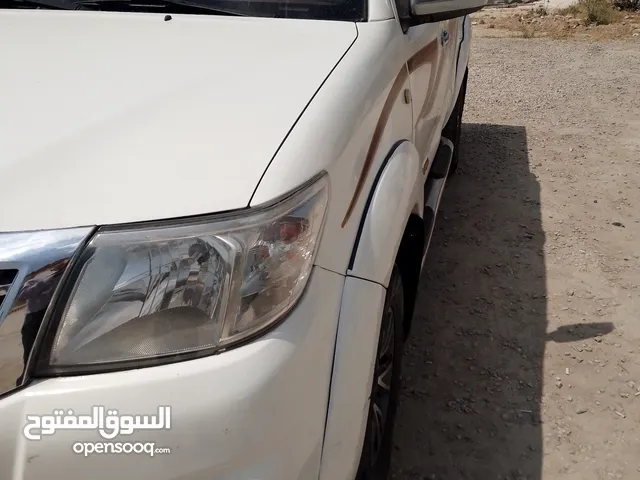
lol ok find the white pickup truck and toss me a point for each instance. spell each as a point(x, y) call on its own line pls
point(214, 216)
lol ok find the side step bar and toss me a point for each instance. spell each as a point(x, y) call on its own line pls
point(434, 187)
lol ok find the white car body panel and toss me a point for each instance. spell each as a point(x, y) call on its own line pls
point(110, 118)
point(106, 116)
point(347, 110)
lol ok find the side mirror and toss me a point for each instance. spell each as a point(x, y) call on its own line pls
point(430, 11)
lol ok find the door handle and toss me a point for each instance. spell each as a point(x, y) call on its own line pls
point(444, 36)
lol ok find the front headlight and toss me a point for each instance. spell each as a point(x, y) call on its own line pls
point(191, 287)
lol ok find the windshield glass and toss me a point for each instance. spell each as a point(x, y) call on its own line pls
point(343, 10)
point(349, 10)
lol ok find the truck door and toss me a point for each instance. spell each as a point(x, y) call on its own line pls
point(429, 69)
point(452, 30)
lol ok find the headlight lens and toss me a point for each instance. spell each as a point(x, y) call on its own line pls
point(188, 287)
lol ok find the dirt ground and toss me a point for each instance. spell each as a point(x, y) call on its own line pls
point(524, 359)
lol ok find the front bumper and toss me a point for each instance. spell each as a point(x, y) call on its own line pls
point(256, 412)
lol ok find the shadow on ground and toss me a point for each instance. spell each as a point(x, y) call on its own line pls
point(470, 408)
point(472, 386)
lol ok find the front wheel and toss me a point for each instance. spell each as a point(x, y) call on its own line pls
point(453, 128)
point(376, 452)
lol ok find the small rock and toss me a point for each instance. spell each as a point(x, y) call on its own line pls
point(617, 224)
point(598, 339)
point(474, 23)
point(491, 25)
point(581, 410)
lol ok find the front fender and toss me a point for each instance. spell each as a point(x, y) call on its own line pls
point(398, 192)
point(357, 339)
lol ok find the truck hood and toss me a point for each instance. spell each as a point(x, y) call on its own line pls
point(120, 117)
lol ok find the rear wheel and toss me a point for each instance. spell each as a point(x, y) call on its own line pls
point(376, 451)
point(453, 128)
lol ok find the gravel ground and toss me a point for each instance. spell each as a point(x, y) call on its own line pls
point(524, 359)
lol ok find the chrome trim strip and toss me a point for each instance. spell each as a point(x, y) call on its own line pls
point(41, 258)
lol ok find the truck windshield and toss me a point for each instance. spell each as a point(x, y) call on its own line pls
point(342, 10)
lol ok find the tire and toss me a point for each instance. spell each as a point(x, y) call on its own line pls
point(453, 128)
point(375, 459)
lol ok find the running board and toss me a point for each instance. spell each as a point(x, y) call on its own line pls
point(434, 187)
